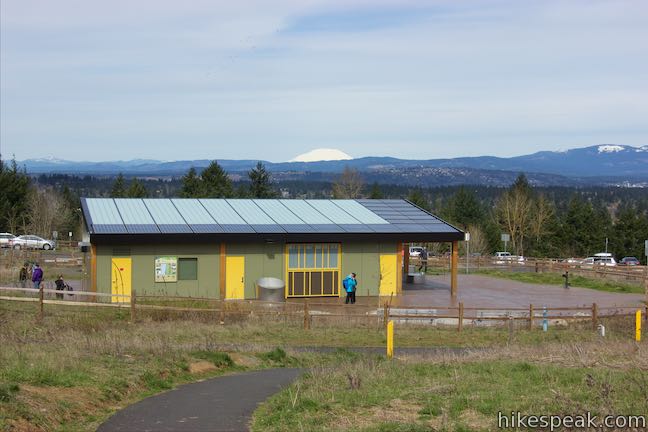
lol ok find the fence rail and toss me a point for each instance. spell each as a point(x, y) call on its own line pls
point(225, 310)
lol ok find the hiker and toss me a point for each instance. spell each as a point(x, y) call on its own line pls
point(423, 257)
point(61, 286)
point(37, 276)
point(350, 283)
point(22, 276)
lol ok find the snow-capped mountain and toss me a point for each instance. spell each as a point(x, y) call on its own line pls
point(322, 154)
point(621, 162)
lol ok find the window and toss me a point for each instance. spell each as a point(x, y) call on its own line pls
point(188, 269)
point(313, 269)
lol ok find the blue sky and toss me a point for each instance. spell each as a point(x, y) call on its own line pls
point(97, 80)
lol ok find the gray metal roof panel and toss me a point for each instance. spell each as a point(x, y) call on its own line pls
point(238, 228)
point(298, 228)
point(109, 229)
point(360, 212)
point(103, 211)
point(306, 212)
point(142, 229)
point(327, 228)
point(175, 229)
point(278, 212)
point(192, 211)
point(206, 228)
point(222, 212)
point(250, 212)
point(267, 228)
point(164, 212)
point(333, 212)
point(356, 228)
point(133, 211)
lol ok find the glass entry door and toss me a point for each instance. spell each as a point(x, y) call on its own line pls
point(313, 269)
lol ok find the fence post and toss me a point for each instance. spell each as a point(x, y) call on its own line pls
point(594, 315)
point(531, 317)
point(41, 297)
point(390, 339)
point(132, 307)
point(638, 325)
point(461, 317)
point(385, 314)
point(306, 316)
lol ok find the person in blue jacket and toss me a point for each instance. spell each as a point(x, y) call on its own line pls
point(350, 283)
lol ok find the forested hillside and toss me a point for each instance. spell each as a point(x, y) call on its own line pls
point(542, 221)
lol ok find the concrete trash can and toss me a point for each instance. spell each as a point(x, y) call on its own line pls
point(271, 289)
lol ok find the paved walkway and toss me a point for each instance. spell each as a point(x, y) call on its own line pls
point(220, 404)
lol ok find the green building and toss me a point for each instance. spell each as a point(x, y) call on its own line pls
point(219, 248)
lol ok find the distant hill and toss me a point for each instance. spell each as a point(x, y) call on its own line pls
point(601, 164)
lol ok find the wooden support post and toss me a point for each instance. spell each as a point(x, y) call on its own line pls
point(385, 314)
point(453, 269)
point(461, 317)
point(41, 297)
point(406, 258)
point(594, 315)
point(531, 312)
point(132, 307)
point(306, 316)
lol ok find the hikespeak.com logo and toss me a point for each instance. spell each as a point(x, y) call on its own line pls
point(518, 420)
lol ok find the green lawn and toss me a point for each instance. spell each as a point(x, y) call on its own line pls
point(557, 279)
point(373, 394)
point(80, 365)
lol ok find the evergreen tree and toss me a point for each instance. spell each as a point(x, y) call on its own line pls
point(464, 209)
point(14, 190)
point(136, 190)
point(119, 187)
point(629, 233)
point(375, 192)
point(215, 182)
point(191, 184)
point(260, 182)
point(416, 197)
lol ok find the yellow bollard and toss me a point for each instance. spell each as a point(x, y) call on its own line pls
point(390, 339)
point(638, 325)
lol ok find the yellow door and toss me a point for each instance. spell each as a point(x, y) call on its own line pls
point(121, 279)
point(234, 277)
point(388, 274)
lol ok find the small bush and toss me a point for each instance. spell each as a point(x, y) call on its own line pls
point(155, 381)
point(219, 359)
point(277, 355)
point(7, 391)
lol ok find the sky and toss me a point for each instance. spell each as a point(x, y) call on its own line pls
point(205, 79)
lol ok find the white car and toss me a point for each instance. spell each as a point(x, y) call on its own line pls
point(31, 242)
point(415, 251)
point(5, 238)
point(506, 257)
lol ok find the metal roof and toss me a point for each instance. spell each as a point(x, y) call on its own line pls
point(270, 219)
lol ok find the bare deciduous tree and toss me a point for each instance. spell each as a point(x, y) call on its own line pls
point(48, 212)
point(513, 212)
point(349, 185)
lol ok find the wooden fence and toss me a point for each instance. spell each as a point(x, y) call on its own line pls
point(315, 313)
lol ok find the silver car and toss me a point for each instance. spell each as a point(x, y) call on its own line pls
point(31, 242)
point(4, 239)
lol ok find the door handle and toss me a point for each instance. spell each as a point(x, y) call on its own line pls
point(241, 279)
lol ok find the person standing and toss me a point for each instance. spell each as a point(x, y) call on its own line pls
point(23, 275)
point(37, 276)
point(60, 286)
point(350, 284)
point(424, 261)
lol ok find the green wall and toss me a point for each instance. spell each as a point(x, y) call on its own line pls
point(143, 269)
point(363, 259)
point(260, 260)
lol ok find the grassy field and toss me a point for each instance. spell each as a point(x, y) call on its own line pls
point(461, 393)
point(557, 279)
point(80, 365)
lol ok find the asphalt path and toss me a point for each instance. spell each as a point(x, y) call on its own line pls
point(219, 404)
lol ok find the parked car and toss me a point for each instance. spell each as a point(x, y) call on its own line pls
point(415, 251)
point(629, 261)
point(31, 242)
point(4, 239)
point(506, 257)
point(602, 259)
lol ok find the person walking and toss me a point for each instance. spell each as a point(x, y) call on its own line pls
point(23, 275)
point(350, 284)
point(37, 276)
point(423, 261)
point(60, 286)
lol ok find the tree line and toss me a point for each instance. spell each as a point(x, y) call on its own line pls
point(541, 221)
